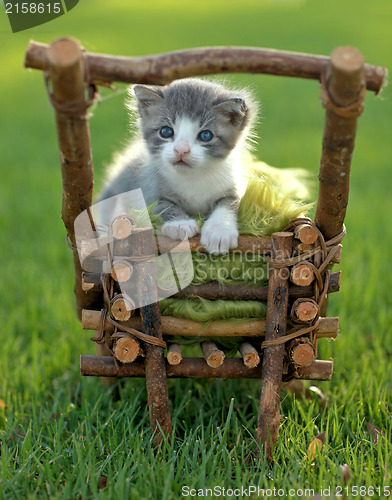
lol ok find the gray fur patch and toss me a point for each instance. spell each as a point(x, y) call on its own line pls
point(168, 210)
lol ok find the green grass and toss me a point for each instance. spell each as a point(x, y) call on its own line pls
point(61, 434)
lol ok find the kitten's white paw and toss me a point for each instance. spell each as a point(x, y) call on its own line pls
point(219, 238)
point(180, 229)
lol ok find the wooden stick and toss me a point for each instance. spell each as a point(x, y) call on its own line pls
point(328, 327)
point(249, 355)
point(122, 307)
point(305, 310)
point(122, 226)
point(65, 64)
point(344, 84)
point(302, 274)
point(301, 352)
point(318, 370)
point(272, 367)
point(306, 234)
point(184, 327)
point(121, 271)
point(103, 351)
point(97, 248)
point(338, 257)
point(214, 291)
point(99, 366)
point(246, 244)
point(91, 282)
point(174, 354)
point(104, 348)
point(163, 68)
point(126, 348)
point(156, 381)
point(218, 328)
point(214, 357)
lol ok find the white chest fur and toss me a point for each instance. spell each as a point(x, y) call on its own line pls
point(197, 191)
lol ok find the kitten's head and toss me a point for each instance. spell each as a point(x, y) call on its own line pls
point(191, 124)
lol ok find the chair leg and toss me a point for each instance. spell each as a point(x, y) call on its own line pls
point(272, 369)
point(156, 377)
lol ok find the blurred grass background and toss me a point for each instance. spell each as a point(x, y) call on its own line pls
point(59, 434)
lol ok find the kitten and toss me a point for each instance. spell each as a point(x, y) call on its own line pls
point(188, 158)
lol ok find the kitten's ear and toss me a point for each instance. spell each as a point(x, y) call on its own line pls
point(147, 96)
point(234, 111)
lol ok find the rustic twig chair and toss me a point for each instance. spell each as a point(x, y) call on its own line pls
point(301, 257)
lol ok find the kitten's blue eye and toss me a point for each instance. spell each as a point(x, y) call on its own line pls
point(206, 135)
point(166, 132)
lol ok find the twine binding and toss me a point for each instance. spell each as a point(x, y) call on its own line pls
point(353, 110)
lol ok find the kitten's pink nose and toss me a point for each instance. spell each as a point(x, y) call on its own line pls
point(181, 149)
